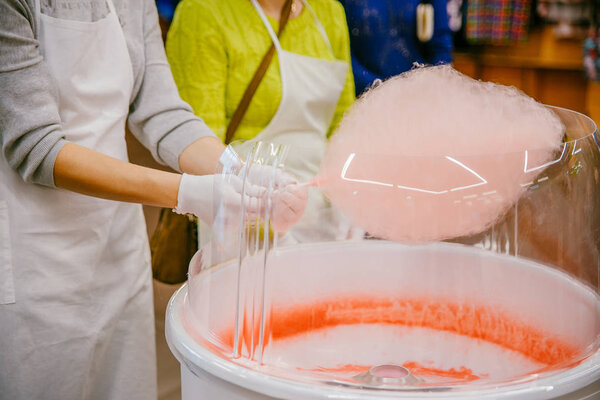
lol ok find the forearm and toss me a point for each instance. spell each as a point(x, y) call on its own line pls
point(88, 172)
point(202, 156)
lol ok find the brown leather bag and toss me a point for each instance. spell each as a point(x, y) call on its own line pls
point(175, 240)
point(173, 244)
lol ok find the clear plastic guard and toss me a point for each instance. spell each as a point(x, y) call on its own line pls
point(511, 299)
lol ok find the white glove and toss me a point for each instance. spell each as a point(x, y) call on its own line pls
point(288, 205)
point(261, 175)
point(288, 198)
point(197, 193)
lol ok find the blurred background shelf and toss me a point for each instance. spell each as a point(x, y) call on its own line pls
point(548, 69)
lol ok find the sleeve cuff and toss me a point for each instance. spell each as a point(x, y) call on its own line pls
point(45, 172)
point(172, 145)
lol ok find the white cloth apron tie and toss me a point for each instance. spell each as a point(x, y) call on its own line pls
point(80, 325)
point(311, 88)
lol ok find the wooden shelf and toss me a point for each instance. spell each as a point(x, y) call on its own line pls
point(548, 69)
point(541, 50)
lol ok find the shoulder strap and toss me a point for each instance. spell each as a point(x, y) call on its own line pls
point(257, 78)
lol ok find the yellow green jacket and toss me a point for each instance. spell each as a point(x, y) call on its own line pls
point(215, 46)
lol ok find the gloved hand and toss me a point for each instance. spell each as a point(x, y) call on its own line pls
point(260, 175)
point(196, 194)
point(288, 198)
point(288, 205)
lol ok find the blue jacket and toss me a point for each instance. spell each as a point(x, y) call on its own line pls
point(383, 38)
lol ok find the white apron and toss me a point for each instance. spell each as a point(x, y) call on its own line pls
point(311, 88)
point(76, 316)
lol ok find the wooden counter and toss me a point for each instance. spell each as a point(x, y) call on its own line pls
point(545, 68)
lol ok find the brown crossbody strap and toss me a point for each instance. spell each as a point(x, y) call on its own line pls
point(257, 78)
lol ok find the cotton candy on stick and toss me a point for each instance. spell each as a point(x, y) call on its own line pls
point(433, 154)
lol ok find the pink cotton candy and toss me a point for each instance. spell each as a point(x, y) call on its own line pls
point(433, 154)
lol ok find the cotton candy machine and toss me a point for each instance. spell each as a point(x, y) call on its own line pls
point(511, 311)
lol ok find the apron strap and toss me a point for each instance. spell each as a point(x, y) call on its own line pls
point(111, 7)
point(274, 36)
point(319, 26)
point(242, 107)
point(265, 21)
